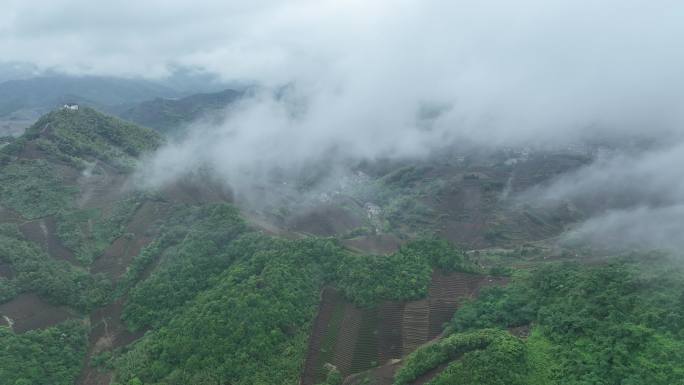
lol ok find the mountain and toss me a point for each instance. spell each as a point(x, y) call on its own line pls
point(44, 164)
point(405, 272)
point(47, 92)
point(167, 115)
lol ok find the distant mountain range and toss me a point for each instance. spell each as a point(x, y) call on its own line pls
point(167, 115)
point(163, 105)
point(42, 94)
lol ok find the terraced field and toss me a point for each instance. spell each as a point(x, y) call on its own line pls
point(355, 340)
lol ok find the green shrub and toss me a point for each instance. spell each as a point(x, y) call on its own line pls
point(43, 357)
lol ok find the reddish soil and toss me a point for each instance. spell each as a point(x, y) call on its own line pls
point(447, 291)
point(381, 335)
point(366, 351)
point(107, 333)
point(116, 258)
point(311, 373)
point(43, 232)
point(197, 191)
point(325, 220)
point(374, 244)
point(347, 338)
point(29, 312)
point(415, 325)
point(389, 332)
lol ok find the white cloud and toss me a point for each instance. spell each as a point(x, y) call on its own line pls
point(502, 72)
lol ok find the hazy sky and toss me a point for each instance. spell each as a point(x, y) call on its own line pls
point(360, 73)
point(507, 69)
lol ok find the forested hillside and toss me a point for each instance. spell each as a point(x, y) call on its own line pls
point(408, 275)
point(169, 115)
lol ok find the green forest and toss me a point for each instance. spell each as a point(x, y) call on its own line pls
point(214, 299)
point(618, 323)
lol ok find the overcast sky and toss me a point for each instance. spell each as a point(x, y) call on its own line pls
point(544, 67)
point(499, 72)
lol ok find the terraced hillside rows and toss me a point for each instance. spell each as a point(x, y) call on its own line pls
point(66, 207)
point(355, 339)
point(447, 291)
point(415, 325)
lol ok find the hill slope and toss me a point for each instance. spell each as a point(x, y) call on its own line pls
point(101, 283)
point(167, 115)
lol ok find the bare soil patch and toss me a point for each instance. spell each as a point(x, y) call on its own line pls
point(389, 331)
point(312, 373)
point(415, 325)
point(374, 244)
point(197, 191)
point(29, 312)
point(43, 232)
point(347, 338)
point(366, 338)
point(325, 220)
point(366, 352)
point(55, 247)
point(35, 232)
point(101, 186)
point(139, 233)
point(107, 333)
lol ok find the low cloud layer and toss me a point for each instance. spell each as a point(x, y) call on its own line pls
point(635, 199)
point(642, 228)
point(395, 79)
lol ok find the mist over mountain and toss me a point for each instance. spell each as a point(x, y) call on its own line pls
point(47, 93)
point(172, 115)
point(341, 192)
point(485, 81)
